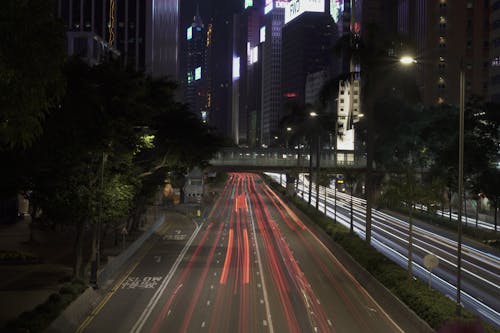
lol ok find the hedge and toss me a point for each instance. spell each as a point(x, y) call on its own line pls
point(39, 319)
point(429, 304)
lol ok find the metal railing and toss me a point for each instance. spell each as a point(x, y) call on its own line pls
point(288, 158)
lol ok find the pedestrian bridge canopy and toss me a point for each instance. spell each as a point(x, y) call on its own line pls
point(286, 158)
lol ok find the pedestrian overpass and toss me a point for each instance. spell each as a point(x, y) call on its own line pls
point(280, 158)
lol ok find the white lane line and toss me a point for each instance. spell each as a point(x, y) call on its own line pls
point(159, 292)
point(264, 289)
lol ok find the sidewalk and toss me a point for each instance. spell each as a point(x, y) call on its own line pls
point(24, 286)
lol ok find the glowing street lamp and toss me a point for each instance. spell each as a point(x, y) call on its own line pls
point(407, 60)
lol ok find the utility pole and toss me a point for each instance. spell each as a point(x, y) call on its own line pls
point(460, 186)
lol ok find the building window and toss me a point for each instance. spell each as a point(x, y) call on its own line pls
point(495, 62)
point(442, 42)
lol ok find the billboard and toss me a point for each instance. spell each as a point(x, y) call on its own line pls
point(197, 73)
point(295, 8)
point(268, 7)
point(236, 68)
point(336, 9)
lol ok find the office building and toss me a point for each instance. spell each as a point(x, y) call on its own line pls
point(141, 34)
point(270, 38)
point(196, 70)
point(494, 58)
point(246, 76)
point(448, 34)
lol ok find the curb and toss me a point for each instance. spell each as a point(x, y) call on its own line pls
point(83, 305)
point(398, 311)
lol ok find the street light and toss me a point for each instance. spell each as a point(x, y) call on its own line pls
point(407, 60)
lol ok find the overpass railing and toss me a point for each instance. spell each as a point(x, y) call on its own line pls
point(288, 158)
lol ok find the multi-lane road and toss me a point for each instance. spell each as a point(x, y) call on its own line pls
point(252, 265)
point(480, 283)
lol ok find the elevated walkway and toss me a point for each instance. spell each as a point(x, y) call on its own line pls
point(279, 158)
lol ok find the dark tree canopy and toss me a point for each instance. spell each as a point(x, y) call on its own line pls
point(32, 52)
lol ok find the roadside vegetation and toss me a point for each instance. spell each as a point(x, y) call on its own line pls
point(38, 319)
point(429, 304)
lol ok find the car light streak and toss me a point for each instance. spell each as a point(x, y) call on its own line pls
point(189, 313)
point(166, 306)
point(227, 261)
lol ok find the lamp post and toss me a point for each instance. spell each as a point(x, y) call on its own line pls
point(312, 115)
point(408, 60)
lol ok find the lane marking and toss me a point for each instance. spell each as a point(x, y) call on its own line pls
point(264, 289)
point(105, 300)
point(116, 286)
point(159, 292)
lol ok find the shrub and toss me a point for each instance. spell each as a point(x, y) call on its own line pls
point(429, 304)
point(38, 319)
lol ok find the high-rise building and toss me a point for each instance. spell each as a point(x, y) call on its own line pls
point(246, 75)
point(307, 48)
point(449, 35)
point(162, 37)
point(270, 38)
point(219, 25)
point(494, 82)
point(142, 34)
point(196, 73)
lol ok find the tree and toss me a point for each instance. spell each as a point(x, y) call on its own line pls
point(490, 185)
point(403, 188)
point(480, 142)
point(375, 57)
point(32, 53)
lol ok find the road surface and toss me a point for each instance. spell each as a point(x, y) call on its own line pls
point(251, 266)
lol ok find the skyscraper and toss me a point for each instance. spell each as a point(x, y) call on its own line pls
point(142, 34)
point(270, 37)
point(162, 37)
point(494, 88)
point(448, 34)
point(246, 77)
point(307, 43)
point(196, 67)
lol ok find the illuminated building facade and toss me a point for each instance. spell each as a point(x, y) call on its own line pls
point(198, 42)
point(270, 38)
point(127, 29)
point(246, 75)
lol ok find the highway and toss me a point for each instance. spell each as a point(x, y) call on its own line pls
point(480, 268)
point(252, 265)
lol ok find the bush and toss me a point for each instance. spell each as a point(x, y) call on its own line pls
point(429, 304)
point(38, 319)
point(17, 258)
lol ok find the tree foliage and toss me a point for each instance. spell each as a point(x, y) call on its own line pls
point(32, 52)
point(107, 147)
